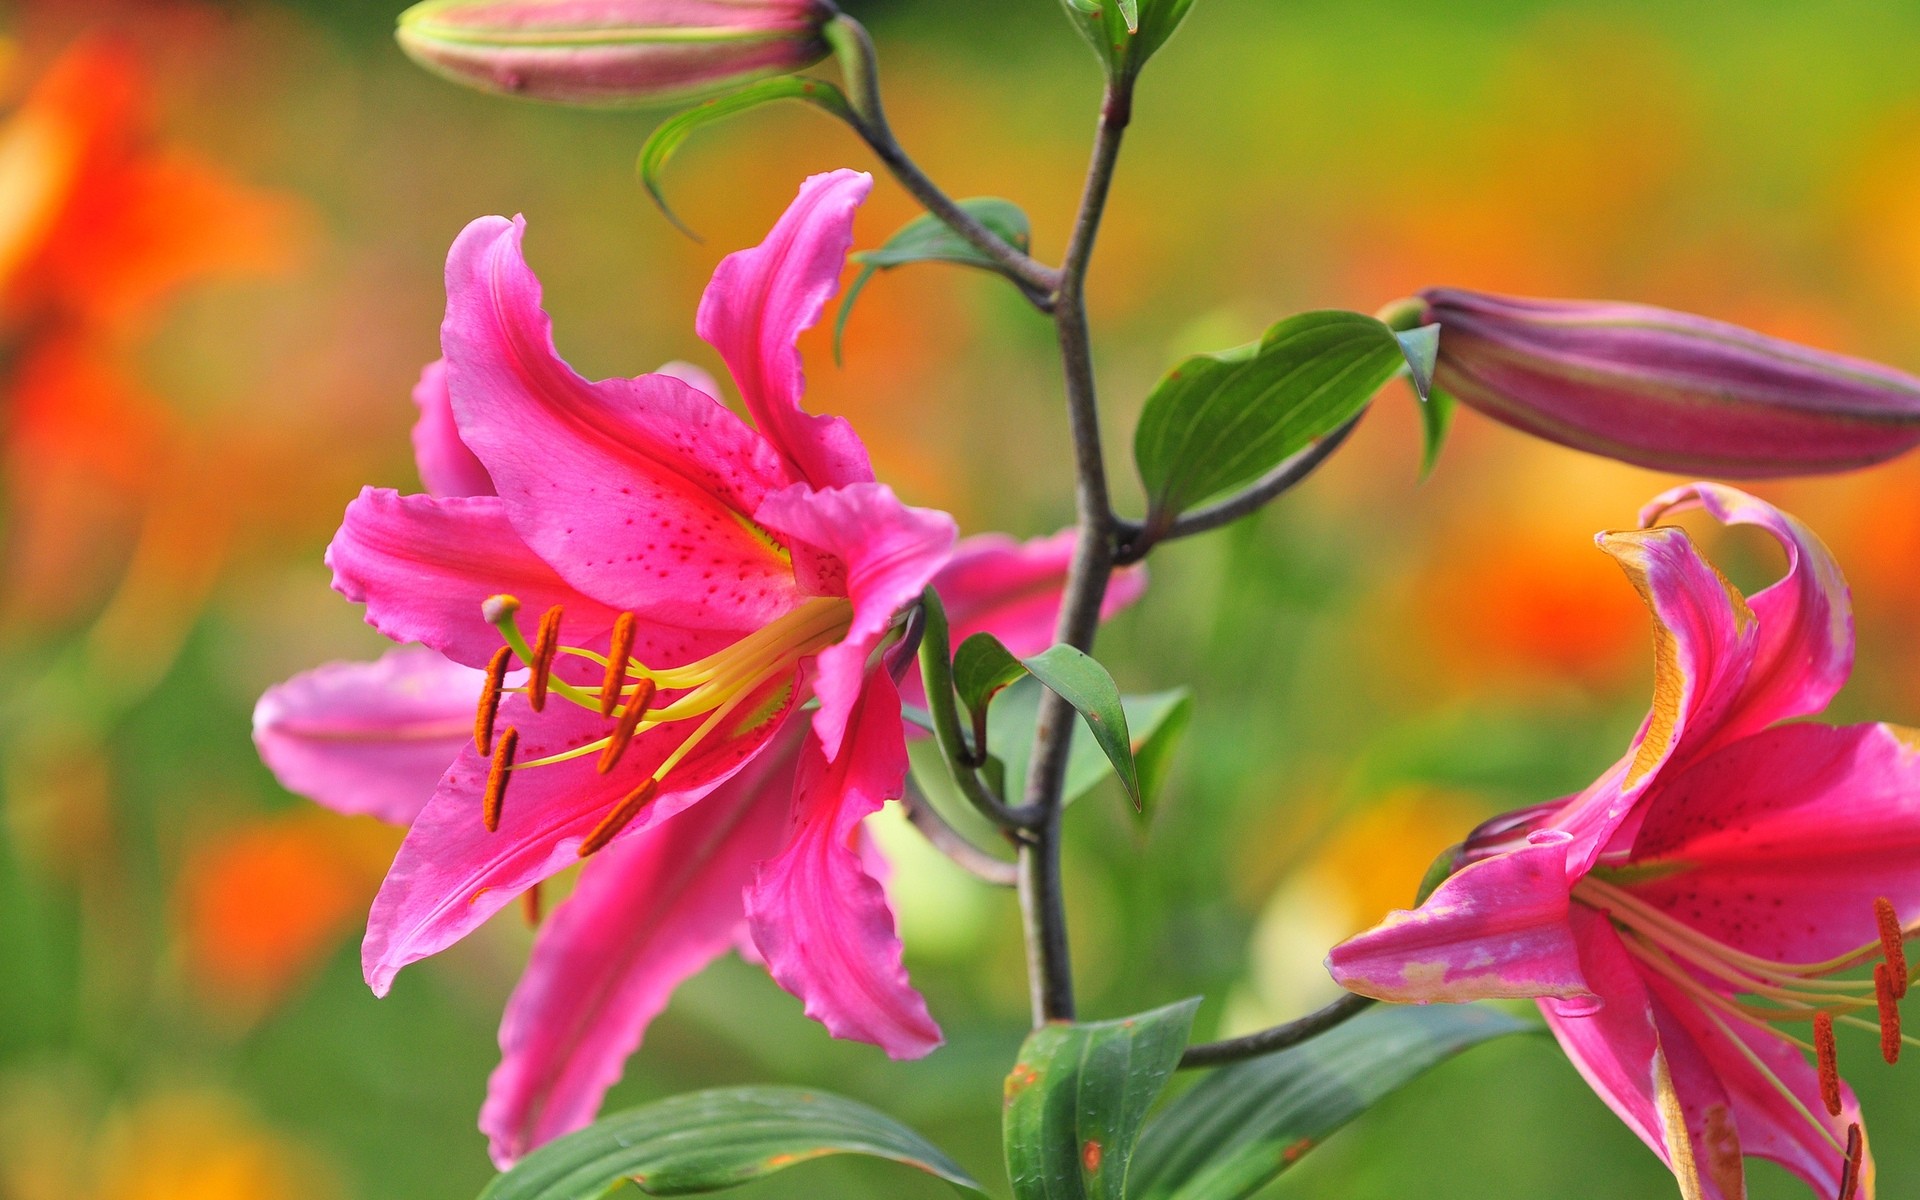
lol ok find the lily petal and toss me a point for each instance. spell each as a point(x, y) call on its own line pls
point(820, 920)
point(1805, 652)
point(424, 565)
point(648, 913)
point(1771, 1125)
point(889, 552)
point(637, 491)
point(1788, 837)
point(451, 874)
point(1497, 928)
point(447, 467)
point(368, 738)
point(1704, 642)
point(758, 304)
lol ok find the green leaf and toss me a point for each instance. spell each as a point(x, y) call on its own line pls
point(1078, 1096)
point(1436, 418)
point(671, 133)
point(713, 1140)
point(1220, 421)
point(1230, 1134)
point(926, 238)
point(1422, 350)
point(1085, 684)
point(1126, 33)
point(1156, 721)
point(981, 668)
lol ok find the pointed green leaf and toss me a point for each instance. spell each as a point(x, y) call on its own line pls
point(1156, 722)
point(926, 238)
point(1130, 13)
point(1220, 421)
point(1085, 684)
point(1126, 33)
point(673, 132)
point(1422, 350)
point(1078, 1096)
point(1436, 418)
point(713, 1140)
point(1230, 1134)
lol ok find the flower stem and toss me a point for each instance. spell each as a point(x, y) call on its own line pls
point(860, 65)
point(1280, 1037)
point(956, 846)
point(936, 673)
point(1042, 905)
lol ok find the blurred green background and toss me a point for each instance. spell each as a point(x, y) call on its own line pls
point(1378, 663)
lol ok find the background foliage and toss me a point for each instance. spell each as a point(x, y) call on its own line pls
point(1379, 663)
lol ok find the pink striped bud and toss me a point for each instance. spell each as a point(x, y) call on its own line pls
point(614, 52)
point(1665, 389)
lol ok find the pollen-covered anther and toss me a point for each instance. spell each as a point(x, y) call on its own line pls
point(489, 709)
point(1883, 993)
point(622, 815)
point(493, 800)
point(546, 644)
point(530, 906)
point(629, 721)
point(1893, 944)
point(1827, 1059)
point(497, 609)
point(617, 657)
point(1850, 1169)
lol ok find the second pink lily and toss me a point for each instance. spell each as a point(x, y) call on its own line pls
point(1730, 881)
point(640, 590)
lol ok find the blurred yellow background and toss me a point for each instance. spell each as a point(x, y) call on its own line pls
point(206, 363)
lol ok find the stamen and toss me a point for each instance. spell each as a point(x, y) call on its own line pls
point(1850, 1170)
point(497, 610)
point(617, 656)
point(629, 721)
point(1828, 1061)
point(1883, 991)
point(546, 643)
point(530, 906)
point(622, 815)
point(490, 700)
point(495, 797)
point(1893, 945)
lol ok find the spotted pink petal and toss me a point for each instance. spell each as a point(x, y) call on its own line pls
point(424, 566)
point(1788, 836)
point(1770, 1125)
point(451, 874)
point(889, 553)
point(758, 304)
point(637, 491)
point(447, 467)
point(1700, 1128)
point(1704, 642)
point(1610, 1039)
point(647, 913)
point(1805, 651)
point(368, 738)
point(820, 920)
point(1495, 929)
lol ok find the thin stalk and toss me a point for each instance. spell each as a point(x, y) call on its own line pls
point(956, 846)
point(1042, 905)
point(1280, 1037)
point(860, 65)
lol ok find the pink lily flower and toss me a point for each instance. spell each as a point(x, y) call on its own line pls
point(700, 579)
point(1717, 889)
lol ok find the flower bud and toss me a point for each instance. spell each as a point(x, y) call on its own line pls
point(1668, 390)
point(614, 51)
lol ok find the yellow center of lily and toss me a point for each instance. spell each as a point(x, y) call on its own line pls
point(706, 692)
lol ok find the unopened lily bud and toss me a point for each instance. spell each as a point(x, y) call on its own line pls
point(614, 51)
point(1665, 389)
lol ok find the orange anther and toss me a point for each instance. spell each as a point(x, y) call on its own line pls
point(1889, 1013)
point(530, 906)
point(617, 656)
point(1893, 944)
point(1828, 1061)
point(490, 700)
point(546, 645)
point(495, 797)
point(1850, 1169)
point(629, 721)
point(622, 815)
